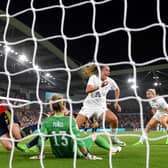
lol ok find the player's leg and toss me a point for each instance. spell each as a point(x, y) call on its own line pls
point(16, 132)
point(15, 126)
point(84, 114)
point(6, 143)
point(102, 142)
point(30, 147)
point(28, 130)
point(112, 119)
point(164, 123)
point(95, 125)
point(4, 132)
point(152, 123)
point(80, 119)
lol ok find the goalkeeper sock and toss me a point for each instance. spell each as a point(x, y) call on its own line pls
point(102, 142)
point(16, 144)
point(33, 142)
point(28, 130)
point(143, 137)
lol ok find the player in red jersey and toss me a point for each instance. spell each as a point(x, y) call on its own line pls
point(6, 125)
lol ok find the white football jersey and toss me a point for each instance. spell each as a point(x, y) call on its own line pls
point(98, 97)
point(159, 104)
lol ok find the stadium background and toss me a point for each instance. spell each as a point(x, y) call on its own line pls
point(146, 45)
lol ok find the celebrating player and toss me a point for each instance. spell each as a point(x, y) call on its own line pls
point(6, 125)
point(160, 111)
point(95, 103)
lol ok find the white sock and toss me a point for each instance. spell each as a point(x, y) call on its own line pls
point(114, 133)
point(143, 138)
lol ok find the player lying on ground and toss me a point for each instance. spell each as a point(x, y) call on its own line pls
point(6, 125)
point(160, 111)
point(62, 145)
point(95, 102)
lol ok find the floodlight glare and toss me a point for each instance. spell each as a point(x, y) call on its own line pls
point(23, 58)
point(133, 86)
point(36, 67)
point(47, 74)
point(155, 84)
point(131, 80)
point(7, 49)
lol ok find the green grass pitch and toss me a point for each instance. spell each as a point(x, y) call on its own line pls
point(130, 156)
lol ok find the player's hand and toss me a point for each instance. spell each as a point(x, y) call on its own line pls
point(117, 107)
point(92, 157)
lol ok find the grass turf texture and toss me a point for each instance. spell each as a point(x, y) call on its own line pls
point(130, 157)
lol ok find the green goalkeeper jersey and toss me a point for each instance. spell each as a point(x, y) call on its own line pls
point(62, 145)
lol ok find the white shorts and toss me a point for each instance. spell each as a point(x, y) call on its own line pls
point(158, 115)
point(92, 111)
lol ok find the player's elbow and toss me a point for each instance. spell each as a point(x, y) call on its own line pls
point(8, 146)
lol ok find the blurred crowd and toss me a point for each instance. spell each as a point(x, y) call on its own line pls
point(129, 121)
point(27, 117)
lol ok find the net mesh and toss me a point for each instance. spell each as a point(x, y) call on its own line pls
point(62, 5)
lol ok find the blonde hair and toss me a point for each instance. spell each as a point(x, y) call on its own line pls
point(89, 70)
point(152, 90)
point(57, 106)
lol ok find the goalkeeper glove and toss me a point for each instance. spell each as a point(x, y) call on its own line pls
point(92, 157)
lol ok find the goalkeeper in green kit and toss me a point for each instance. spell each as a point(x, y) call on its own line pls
point(58, 129)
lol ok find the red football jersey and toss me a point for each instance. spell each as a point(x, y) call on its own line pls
point(2, 108)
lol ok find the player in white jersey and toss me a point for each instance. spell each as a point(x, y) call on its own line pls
point(160, 113)
point(95, 102)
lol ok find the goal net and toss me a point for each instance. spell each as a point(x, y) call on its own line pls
point(44, 46)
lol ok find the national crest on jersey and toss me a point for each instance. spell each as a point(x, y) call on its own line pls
point(98, 97)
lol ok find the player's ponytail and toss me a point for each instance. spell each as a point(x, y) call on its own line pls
point(89, 70)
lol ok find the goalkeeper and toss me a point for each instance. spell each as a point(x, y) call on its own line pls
point(62, 145)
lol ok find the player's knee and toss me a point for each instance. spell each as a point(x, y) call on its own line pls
point(163, 122)
point(8, 146)
point(114, 120)
point(149, 127)
point(80, 120)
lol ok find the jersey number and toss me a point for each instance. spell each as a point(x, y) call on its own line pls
point(63, 141)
